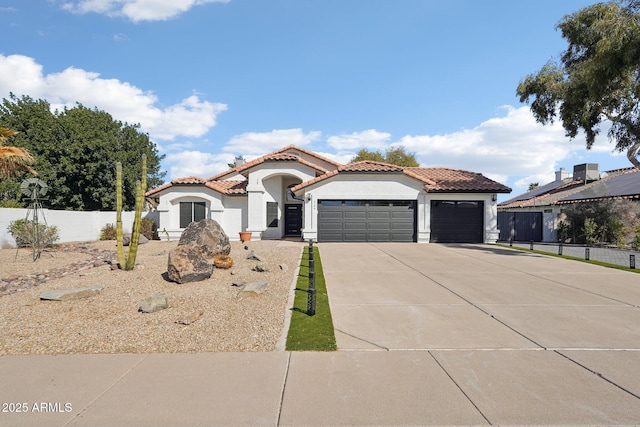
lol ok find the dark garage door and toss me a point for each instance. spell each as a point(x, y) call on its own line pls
point(366, 220)
point(457, 221)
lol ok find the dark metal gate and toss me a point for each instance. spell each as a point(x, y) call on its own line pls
point(520, 226)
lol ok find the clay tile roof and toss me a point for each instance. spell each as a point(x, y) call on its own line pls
point(435, 179)
point(189, 180)
point(310, 153)
point(369, 166)
point(228, 187)
point(454, 180)
point(276, 156)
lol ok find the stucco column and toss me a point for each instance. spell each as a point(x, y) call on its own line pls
point(424, 218)
point(310, 218)
point(491, 232)
point(256, 215)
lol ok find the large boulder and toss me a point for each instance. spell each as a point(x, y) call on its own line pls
point(187, 265)
point(207, 238)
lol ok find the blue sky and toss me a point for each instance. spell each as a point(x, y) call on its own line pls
point(213, 79)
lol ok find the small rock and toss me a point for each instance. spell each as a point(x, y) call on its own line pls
point(190, 318)
point(239, 283)
point(126, 239)
point(154, 303)
point(284, 267)
point(260, 268)
point(253, 256)
point(255, 287)
point(69, 294)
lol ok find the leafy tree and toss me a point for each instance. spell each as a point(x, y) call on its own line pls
point(13, 159)
point(395, 156)
point(76, 151)
point(364, 154)
point(533, 186)
point(597, 77)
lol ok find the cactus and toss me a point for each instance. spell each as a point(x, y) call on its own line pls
point(130, 261)
point(119, 235)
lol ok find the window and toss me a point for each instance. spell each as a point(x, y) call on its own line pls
point(468, 205)
point(192, 212)
point(331, 203)
point(272, 214)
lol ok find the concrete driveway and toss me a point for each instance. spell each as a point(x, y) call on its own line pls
point(527, 339)
point(428, 335)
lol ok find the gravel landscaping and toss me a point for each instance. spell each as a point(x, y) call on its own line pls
point(110, 321)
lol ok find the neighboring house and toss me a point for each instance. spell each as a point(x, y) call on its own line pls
point(299, 193)
point(534, 215)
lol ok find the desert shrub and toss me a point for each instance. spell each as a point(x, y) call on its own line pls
point(23, 232)
point(590, 229)
point(635, 243)
point(108, 232)
point(148, 228)
point(10, 203)
point(615, 229)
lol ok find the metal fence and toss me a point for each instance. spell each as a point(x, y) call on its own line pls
point(621, 257)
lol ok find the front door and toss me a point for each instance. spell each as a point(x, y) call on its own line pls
point(292, 220)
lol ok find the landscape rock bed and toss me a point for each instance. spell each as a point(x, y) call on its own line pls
point(110, 321)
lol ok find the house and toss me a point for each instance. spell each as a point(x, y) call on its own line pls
point(299, 193)
point(534, 215)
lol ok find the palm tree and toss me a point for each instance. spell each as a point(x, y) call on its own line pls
point(13, 159)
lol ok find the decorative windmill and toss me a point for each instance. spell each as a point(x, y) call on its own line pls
point(35, 189)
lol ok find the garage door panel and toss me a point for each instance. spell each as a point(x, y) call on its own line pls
point(331, 214)
point(353, 226)
point(401, 237)
point(353, 237)
point(367, 221)
point(457, 221)
point(354, 215)
point(333, 237)
point(379, 237)
point(332, 226)
point(402, 226)
point(378, 226)
point(379, 215)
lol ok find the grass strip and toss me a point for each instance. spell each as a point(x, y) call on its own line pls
point(311, 333)
point(573, 258)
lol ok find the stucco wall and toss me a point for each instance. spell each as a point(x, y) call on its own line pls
point(389, 187)
point(73, 226)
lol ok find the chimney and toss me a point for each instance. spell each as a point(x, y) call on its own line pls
point(586, 172)
point(562, 174)
point(239, 160)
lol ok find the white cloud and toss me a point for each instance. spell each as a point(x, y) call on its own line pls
point(197, 163)
point(191, 117)
point(370, 139)
point(513, 145)
point(252, 144)
point(137, 10)
point(120, 37)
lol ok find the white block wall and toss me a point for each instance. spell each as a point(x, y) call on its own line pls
point(73, 226)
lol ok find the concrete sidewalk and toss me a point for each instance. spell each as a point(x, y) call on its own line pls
point(428, 335)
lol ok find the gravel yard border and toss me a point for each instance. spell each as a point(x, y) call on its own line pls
point(110, 322)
